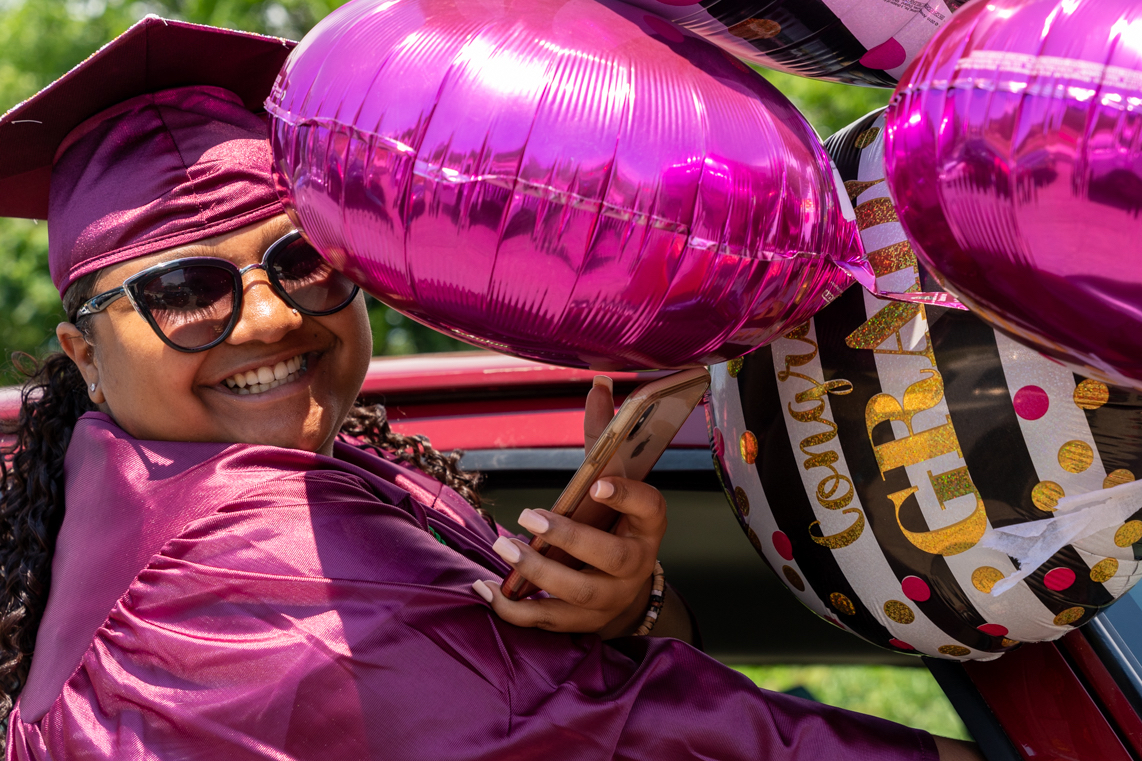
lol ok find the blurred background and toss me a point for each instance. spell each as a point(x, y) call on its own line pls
point(42, 39)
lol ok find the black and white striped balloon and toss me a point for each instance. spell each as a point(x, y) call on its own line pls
point(866, 452)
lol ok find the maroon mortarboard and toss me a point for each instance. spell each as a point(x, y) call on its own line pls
point(157, 140)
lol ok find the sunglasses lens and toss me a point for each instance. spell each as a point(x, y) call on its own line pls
point(190, 305)
point(309, 280)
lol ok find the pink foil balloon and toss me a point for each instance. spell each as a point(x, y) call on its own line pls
point(862, 42)
point(1014, 155)
point(571, 181)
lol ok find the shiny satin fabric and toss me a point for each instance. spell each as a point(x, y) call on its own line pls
point(569, 181)
point(159, 170)
point(858, 42)
point(300, 608)
point(1014, 159)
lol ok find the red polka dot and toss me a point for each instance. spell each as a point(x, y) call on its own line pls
point(1031, 402)
point(915, 588)
point(1059, 579)
point(664, 29)
point(782, 544)
point(900, 644)
point(995, 630)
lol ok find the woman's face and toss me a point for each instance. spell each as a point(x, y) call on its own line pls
point(155, 392)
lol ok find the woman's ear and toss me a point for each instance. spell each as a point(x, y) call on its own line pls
point(76, 347)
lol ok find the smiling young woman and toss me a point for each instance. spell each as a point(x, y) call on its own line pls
point(208, 552)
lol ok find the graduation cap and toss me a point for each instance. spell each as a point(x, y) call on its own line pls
point(158, 139)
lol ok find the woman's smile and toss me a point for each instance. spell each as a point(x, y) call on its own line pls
point(261, 379)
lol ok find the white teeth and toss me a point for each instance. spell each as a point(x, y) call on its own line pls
point(266, 377)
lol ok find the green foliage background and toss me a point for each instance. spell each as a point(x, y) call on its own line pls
point(42, 39)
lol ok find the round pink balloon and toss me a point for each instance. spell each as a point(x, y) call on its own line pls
point(565, 180)
point(1014, 155)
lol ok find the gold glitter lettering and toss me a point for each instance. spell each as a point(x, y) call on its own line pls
point(916, 447)
point(878, 211)
point(829, 486)
point(961, 535)
point(843, 538)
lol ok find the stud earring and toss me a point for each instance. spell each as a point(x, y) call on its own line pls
point(295, 311)
point(92, 386)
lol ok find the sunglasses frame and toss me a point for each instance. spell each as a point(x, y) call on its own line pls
point(132, 289)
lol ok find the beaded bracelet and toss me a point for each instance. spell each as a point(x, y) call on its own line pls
point(657, 598)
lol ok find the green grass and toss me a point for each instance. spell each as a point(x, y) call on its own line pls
point(909, 696)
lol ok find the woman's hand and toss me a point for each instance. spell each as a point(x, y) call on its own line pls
point(611, 594)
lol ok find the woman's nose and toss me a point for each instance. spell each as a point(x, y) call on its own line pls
point(265, 317)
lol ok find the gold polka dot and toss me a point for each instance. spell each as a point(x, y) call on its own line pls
point(793, 578)
point(1117, 478)
point(749, 448)
point(755, 29)
point(1090, 394)
point(865, 138)
point(1129, 533)
point(985, 577)
point(742, 501)
point(1005, 642)
point(899, 612)
point(956, 651)
point(1046, 495)
point(734, 366)
point(842, 604)
point(1069, 616)
point(753, 539)
point(1075, 456)
point(1104, 570)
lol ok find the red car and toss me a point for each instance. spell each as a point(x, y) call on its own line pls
point(520, 423)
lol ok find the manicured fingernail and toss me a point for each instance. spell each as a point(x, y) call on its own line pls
point(481, 588)
point(602, 489)
point(534, 522)
point(506, 549)
point(603, 380)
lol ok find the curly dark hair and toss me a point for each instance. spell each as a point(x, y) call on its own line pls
point(53, 398)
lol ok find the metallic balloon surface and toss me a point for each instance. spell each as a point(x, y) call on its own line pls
point(570, 181)
point(867, 452)
point(862, 42)
point(1015, 159)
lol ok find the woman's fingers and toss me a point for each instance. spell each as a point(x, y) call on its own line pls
point(550, 613)
point(599, 410)
point(584, 589)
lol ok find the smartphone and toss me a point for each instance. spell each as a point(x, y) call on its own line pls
point(629, 447)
